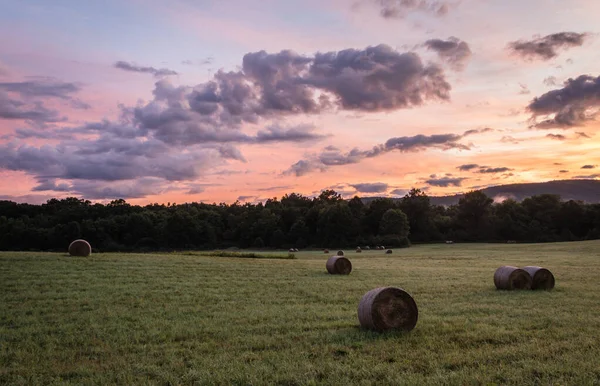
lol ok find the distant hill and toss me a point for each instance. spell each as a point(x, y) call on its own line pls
point(582, 190)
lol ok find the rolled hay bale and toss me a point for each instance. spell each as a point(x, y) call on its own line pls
point(326, 251)
point(388, 308)
point(388, 252)
point(80, 248)
point(358, 250)
point(338, 265)
point(367, 247)
point(291, 250)
point(511, 278)
point(541, 278)
point(340, 253)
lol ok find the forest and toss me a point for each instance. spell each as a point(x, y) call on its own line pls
point(326, 221)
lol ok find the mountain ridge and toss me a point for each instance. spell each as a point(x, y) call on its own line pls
point(585, 190)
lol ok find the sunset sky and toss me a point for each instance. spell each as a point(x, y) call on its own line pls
point(213, 101)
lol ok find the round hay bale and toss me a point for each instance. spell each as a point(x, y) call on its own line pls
point(340, 253)
point(338, 265)
point(541, 278)
point(358, 250)
point(511, 278)
point(80, 248)
point(326, 251)
point(291, 250)
point(367, 248)
point(389, 252)
point(388, 308)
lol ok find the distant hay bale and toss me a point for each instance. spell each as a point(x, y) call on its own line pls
point(340, 253)
point(326, 251)
point(291, 250)
point(338, 265)
point(358, 250)
point(388, 308)
point(449, 242)
point(80, 248)
point(511, 278)
point(367, 248)
point(389, 252)
point(541, 278)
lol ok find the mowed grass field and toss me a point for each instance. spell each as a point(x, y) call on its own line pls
point(187, 319)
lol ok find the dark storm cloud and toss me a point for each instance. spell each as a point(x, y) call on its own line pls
point(453, 51)
point(399, 192)
point(588, 166)
point(573, 105)
point(45, 184)
point(375, 187)
point(563, 171)
point(445, 181)
point(398, 9)
point(547, 47)
point(558, 137)
point(302, 168)
point(467, 167)
point(157, 72)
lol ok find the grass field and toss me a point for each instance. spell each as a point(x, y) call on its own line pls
point(190, 319)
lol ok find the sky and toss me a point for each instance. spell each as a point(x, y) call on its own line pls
point(218, 101)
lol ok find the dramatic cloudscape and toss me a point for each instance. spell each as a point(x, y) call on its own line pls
point(217, 101)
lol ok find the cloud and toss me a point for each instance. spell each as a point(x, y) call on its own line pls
point(445, 181)
point(563, 171)
point(573, 105)
point(487, 170)
point(452, 51)
point(277, 133)
point(580, 134)
point(477, 131)
point(375, 187)
point(467, 167)
point(558, 137)
point(551, 81)
point(201, 62)
point(157, 72)
point(547, 47)
point(524, 89)
point(399, 192)
point(588, 167)
point(25, 100)
point(589, 176)
point(510, 139)
point(398, 9)
point(417, 143)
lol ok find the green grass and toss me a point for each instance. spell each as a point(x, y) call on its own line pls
point(189, 319)
point(247, 255)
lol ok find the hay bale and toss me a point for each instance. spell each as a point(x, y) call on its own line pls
point(326, 251)
point(388, 252)
point(358, 250)
point(338, 265)
point(367, 248)
point(340, 253)
point(541, 278)
point(388, 308)
point(291, 250)
point(511, 278)
point(80, 248)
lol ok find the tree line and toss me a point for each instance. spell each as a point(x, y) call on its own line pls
point(326, 221)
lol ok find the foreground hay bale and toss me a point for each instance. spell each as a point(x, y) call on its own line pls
point(389, 252)
point(80, 248)
point(338, 265)
point(340, 253)
point(541, 278)
point(388, 308)
point(511, 278)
